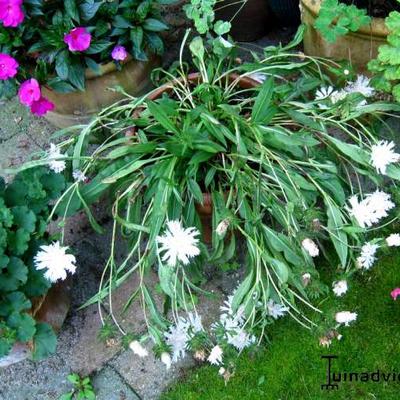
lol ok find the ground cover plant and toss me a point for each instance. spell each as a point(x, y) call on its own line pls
point(53, 42)
point(25, 206)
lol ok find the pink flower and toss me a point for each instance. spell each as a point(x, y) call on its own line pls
point(11, 13)
point(395, 293)
point(29, 92)
point(78, 39)
point(119, 53)
point(8, 67)
point(41, 106)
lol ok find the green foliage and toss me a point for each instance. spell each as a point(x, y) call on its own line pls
point(376, 330)
point(38, 43)
point(386, 67)
point(82, 390)
point(24, 210)
point(337, 19)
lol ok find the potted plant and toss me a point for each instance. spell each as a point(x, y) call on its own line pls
point(345, 31)
point(65, 56)
point(282, 163)
point(33, 300)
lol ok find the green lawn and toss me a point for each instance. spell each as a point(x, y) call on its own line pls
point(291, 366)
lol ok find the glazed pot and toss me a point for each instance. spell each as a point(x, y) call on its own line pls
point(78, 107)
point(249, 21)
point(205, 209)
point(357, 47)
point(286, 11)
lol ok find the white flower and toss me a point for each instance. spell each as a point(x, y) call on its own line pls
point(240, 340)
point(340, 288)
point(370, 210)
point(138, 349)
point(178, 243)
point(195, 323)
point(393, 240)
point(324, 92)
point(310, 246)
point(215, 356)
point(79, 176)
point(56, 261)
point(221, 371)
point(276, 310)
point(166, 359)
point(346, 72)
point(345, 317)
point(177, 337)
point(258, 76)
point(382, 154)
point(338, 95)
point(54, 155)
point(306, 278)
point(367, 257)
point(361, 85)
point(222, 227)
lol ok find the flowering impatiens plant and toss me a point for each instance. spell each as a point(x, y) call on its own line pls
point(53, 42)
point(29, 263)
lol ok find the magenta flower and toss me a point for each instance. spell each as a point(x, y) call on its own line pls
point(119, 53)
point(29, 92)
point(11, 13)
point(8, 67)
point(395, 293)
point(41, 106)
point(78, 39)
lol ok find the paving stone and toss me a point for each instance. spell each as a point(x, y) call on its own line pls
point(109, 385)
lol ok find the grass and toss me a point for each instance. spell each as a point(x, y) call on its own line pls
point(291, 368)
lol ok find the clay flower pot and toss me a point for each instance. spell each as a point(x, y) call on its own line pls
point(78, 107)
point(205, 209)
point(249, 21)
point(358, 47)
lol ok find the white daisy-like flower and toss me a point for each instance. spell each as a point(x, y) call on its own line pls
point(54, 155)
point(79, 176)
point(177, 337)
point(166, 359)
point(240, 340)
point(178, 243)
point(138, 349)
point(382, 155)
point(361, 85)
point(195, 324)
point(222, 227)
point(276, 310)
point(258, 76)
point(393, 240)
point(337, 96)
point(340, 288)
point(345, 317)
point(324, 92)
point(369, 211)
point(367, 257)
point(215, 357)
point(310, 247)
point(54, 259)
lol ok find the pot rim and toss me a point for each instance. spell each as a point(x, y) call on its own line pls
point(376, 28)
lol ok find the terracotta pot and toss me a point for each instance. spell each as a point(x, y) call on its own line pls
point(357, 47)
point(249, 21)
point(52, 309)
point(204, 210)
point(78, 107)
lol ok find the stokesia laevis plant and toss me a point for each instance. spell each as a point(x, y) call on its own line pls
point(285, 176)
point(52, 43)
